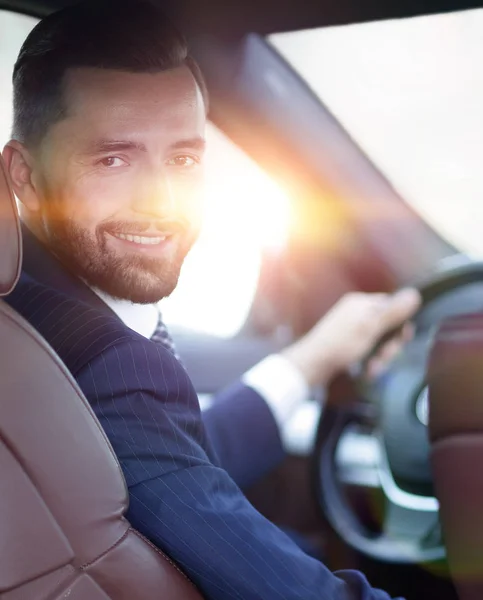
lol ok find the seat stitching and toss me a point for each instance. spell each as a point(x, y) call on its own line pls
point(162, 554)
point(85, 566)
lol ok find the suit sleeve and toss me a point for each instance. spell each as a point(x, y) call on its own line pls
point(182, 499)
point(244, 434)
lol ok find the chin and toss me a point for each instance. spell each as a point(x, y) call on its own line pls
point(150, 296)
point(145, 288)
point(140, 280)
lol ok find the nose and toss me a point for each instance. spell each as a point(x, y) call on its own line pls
point(154, 195)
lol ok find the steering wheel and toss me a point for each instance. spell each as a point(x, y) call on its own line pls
point(394, 409)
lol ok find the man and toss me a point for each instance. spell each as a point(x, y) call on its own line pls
point(109, 114)
point(283, 385)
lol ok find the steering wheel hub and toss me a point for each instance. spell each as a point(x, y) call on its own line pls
point(421, 407)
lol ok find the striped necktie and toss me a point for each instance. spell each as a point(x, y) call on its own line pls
point(161, 336)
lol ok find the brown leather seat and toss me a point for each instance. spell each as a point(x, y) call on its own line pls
point(456, 432)
point(62, 494)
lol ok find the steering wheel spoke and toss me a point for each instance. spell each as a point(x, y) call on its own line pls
point(408, 526)
point(393, 414)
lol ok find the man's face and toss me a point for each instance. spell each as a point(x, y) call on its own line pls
point(120, 179)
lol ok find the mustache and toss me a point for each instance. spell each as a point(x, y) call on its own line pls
point(162, 226)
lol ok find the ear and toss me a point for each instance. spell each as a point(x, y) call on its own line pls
point(18, 161)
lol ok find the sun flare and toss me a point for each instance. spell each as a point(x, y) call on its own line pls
point(246, 213)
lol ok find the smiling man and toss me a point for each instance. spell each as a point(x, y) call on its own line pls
point(106, 160)
point(120, 177)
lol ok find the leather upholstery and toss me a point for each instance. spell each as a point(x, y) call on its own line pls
point(63, 496)
point(456, 432)
point(10, 237)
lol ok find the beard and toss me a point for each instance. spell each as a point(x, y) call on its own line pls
point(139, 279)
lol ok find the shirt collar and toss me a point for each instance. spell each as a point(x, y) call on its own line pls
point(142, 318)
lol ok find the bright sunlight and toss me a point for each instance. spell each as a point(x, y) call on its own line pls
point(246, 214)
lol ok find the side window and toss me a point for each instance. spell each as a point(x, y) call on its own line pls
point(415, 108)
point(14, 28)
point(245, 213)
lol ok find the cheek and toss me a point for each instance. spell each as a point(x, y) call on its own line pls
point(71, 192)
point(94, 200)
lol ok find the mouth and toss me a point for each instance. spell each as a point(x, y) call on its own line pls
point(156, 244)
point(142, 240)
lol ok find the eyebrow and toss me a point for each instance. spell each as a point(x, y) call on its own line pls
point(104, 146)
point(196, 143)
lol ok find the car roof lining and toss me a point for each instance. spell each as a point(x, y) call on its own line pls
point(269, 16)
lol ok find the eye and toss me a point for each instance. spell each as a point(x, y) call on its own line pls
point(112, 162)
point(185, 161)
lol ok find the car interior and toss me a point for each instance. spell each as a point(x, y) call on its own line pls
point(356, 129)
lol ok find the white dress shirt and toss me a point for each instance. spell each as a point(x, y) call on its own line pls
point(276, 379)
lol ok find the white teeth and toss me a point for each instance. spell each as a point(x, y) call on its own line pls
point(140, 239)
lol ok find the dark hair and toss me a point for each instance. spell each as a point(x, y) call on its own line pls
point(125, 35)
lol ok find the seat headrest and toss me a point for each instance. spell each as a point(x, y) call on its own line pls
point(10, 236)
point(455, 377)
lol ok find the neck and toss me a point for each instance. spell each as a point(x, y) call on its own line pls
point(33, 223)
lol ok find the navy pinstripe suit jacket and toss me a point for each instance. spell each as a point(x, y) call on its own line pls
point(176, 465)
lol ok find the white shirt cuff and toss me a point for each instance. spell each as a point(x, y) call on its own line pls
point(280, 384)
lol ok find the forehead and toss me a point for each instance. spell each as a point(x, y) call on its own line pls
point(109, 102)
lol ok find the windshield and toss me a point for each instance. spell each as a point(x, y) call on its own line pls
point(410, 93)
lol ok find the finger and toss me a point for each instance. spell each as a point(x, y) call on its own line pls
point(400, 307)
point(399, 336)
point(390, 350)
point(374, 369)
point(379, 363)
point(377, 303)
point(408, 332)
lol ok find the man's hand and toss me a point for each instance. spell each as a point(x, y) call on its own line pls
point(350, 330)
